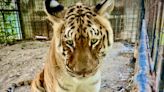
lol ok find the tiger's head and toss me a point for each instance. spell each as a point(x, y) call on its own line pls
point(82, 35)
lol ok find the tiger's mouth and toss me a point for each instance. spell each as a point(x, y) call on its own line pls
point(83, 73)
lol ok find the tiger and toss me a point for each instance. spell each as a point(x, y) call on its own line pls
point(82, 36)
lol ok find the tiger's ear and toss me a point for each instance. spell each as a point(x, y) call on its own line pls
point(104, 6)
point(54, 10)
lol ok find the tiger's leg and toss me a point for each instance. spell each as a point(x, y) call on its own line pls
point(38, 83)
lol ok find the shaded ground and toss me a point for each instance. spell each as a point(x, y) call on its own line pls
point(23, 60)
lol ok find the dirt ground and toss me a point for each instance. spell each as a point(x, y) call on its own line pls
point(23, 60)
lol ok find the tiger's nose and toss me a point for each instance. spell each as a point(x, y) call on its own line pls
point(83, 71)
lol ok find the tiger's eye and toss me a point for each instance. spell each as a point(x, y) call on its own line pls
point(69, 42)
point(93, 41)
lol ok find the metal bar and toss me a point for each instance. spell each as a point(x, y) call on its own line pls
point(7, 10)
point(161, 81)
point(21, 20)
point(159, 58)
point(142, 13)
point(156, 41)
point(153, 35)
point(142, 75)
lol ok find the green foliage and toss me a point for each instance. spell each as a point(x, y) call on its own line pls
point(7, 31)
point(8, 24)
point(7, 37)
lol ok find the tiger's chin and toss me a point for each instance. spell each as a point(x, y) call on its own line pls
point(82, 74)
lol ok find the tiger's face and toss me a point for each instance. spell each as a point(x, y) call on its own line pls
point(83, 36)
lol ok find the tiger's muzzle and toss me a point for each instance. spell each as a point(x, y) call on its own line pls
point(82, 64)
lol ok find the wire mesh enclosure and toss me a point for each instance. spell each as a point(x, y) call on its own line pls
point(125, 18)
point(26, 19)
point(151, 47)
point(9, 21)
point(33, 18)
point(154, 15)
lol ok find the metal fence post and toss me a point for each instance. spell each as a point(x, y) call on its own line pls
point(20, 19)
